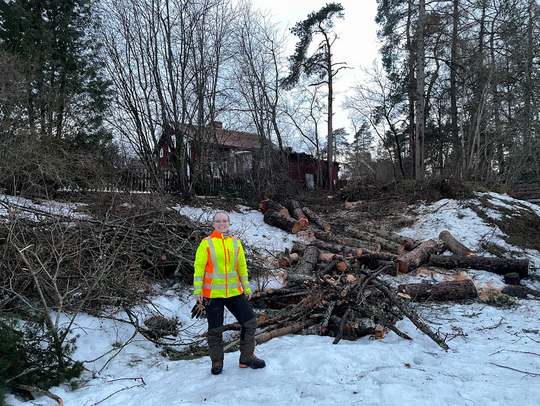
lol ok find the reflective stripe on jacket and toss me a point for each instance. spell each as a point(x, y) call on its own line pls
point(220, 267)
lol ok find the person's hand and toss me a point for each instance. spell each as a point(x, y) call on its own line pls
point(199, 298)
point(248, 296)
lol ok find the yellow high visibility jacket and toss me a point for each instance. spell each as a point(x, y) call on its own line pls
point(220, 267)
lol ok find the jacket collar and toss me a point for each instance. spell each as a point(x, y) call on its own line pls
point(215, 234)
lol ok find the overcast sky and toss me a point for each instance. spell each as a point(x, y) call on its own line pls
point(357, 44)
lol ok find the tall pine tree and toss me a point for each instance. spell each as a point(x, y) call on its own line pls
point(65, 91)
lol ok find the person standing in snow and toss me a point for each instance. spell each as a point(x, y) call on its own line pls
point(221, 280)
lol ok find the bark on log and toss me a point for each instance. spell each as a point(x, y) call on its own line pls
point(299, 248)
point(355, 242)
point(409, 243)
point(385, 244)
point(443, 291)
point(499, 266)
point(327, 236)
point(520, 291)
point(297, 213)
point(269, 204)
point(287, 260)
point(316, 219)
point(419, 256)
point(283, 331)
point(454, 245)
point(281, 221)
point(307, 263)
point(337, 248)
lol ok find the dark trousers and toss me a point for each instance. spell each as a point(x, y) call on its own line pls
point(242, 310)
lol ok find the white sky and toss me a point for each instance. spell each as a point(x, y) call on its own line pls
point(357, 43)
point(494, 356)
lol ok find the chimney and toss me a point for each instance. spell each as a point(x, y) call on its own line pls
point(218, 125)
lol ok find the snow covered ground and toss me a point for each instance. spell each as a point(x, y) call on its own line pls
point(494, 356)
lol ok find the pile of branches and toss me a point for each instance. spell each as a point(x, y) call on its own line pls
point(348, 303)
point(69, 259)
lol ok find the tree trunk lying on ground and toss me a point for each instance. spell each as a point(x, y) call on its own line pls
point(385, 244)
point(270, 204)
point(454, 245)
point(443, 291)
point(520, 291)
point(298, 214)
point(337, 248)
point(419, 256)
point(500, 266)
point(281, 221)
point(307, 263)
point(316, 219)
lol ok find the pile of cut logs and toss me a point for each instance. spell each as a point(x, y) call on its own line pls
point(333, 284)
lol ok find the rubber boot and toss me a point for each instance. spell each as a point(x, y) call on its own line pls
point(247, 346)
point(215, 349)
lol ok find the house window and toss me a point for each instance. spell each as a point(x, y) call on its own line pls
point(215, 169)
point(243, 161)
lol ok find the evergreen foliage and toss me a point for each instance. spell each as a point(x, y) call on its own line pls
point(481, 75)
point(30, 355)
point(55, 92)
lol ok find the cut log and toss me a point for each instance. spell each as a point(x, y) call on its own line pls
point(327, 236)
point(298, 248)
point(499, 266)
point(385, 244)
point(327, 257)
point(519, 291)
point(316, 219)
point(288, 260)
point(409, 243)
point(281, 221)
point(419, 256)
point(355, 242)
point(443, 291)
point(297, 213)
point(269, 204)
point(383, 256)
point(283, 331)
point(336, 248)
point(454, 245)
point(307, 263)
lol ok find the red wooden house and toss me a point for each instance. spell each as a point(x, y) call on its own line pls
point(237, 157)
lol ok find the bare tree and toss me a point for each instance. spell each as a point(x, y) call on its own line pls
point(372, 101)
point(164, 58)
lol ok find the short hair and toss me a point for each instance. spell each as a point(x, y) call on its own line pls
point(223, 212)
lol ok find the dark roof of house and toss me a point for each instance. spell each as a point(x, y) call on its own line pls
point(529, 191)
point(237, 139)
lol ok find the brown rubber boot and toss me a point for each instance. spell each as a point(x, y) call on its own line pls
point(215, 343)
